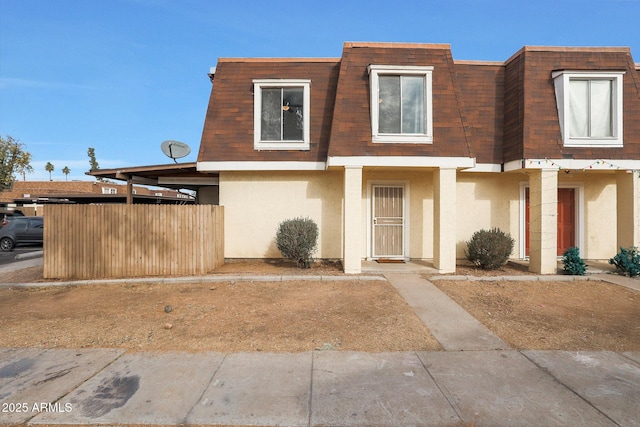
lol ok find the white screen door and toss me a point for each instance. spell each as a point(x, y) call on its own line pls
point(388, 221)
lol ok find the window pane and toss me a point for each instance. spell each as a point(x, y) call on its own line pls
point(601, 109)
point(412, 104)
point(271, 115)
point(292, 114)
point(389, 104)
point(579, 108)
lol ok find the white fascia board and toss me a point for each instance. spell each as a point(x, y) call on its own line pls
point(485, 167)
point(574, 164)
point(260, 166)
point(188, 180)
point(402, 161)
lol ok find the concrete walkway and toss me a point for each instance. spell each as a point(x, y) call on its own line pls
point(476, 381)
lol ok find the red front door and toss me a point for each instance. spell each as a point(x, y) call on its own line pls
point(566, 219)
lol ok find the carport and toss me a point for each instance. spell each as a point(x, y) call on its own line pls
point(175, 176)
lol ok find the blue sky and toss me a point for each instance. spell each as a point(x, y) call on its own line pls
point(124, 75)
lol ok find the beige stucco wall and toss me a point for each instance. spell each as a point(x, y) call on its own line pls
point(485, 201)
point(600, 222)
point(256, 202)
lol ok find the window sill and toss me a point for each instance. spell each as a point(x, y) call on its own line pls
point(402, 139)
point(593, 143)
point(299, 146)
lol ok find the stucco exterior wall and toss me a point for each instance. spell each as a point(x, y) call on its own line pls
point(487, 200)
point(257, 201)
point(599, 213)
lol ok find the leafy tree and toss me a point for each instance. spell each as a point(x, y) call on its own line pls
point(66, 171)
point(24, 165)
point(93, 163)
point(91, 152)
point(49, 168)
point(13, 159)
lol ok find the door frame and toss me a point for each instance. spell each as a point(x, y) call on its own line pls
point(578, 220)
point(406, 212)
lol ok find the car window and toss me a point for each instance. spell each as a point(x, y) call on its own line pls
point(35, 223)
point(19, 222)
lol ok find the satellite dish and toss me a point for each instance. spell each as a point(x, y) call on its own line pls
point(175, 149)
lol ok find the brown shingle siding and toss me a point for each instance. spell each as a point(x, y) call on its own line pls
point(228, 129)
point(495, 112)
point(541, 136)
point(353, 95)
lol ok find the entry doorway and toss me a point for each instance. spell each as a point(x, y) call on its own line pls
point(388, 222)
point(566, 215)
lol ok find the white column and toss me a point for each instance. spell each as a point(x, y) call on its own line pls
point(543, 221)
point(352, 226)
point(628, 209)
point(444, 220)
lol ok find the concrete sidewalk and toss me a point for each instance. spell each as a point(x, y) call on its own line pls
point(477, 381)
point(478, 388)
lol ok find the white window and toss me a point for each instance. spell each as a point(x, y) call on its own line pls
point(401, 104)
point(109, 190)
point(281, 114)
point(589, 108)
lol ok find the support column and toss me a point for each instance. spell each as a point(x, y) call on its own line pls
point(543, 222)
point(129, 190)
point(352, 225)
point(628, 209)
point(444, 220)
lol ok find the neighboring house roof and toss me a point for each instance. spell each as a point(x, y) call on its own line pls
point(495, 112)
point(28, 191)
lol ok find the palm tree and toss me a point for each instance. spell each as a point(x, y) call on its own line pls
point(49, 168)
point(66, 171)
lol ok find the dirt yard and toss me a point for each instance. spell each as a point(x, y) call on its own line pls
point(292, 316)
point(301, 315)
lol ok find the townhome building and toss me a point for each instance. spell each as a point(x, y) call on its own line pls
point(401, 152)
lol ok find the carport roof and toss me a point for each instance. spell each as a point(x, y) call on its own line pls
point(176, 176)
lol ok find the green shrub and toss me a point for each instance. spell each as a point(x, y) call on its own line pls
point(297, 239)
point(489, 249)
point(572, 263)
point(627, 261)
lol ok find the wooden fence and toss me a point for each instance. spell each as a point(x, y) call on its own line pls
point(115, 241)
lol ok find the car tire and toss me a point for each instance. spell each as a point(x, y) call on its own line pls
point(6, 244)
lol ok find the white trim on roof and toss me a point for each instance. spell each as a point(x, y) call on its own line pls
point(260, 166)
point(402, 161)
point(575, 164)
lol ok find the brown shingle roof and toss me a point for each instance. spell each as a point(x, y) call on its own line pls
point(493, 111)
point(228, 128)
point(532, 129)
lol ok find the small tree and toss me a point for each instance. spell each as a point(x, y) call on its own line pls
point(66, 171)
point(297, 239)
point(49, 168)
point(489, 249)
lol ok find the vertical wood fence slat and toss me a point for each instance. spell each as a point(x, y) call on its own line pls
point(114, 241)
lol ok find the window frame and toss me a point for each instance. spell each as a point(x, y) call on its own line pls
point(375, 71)
point(258, 85)
point(562, 80)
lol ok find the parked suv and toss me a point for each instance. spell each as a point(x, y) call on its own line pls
point(7, 217)
point(21, 230)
